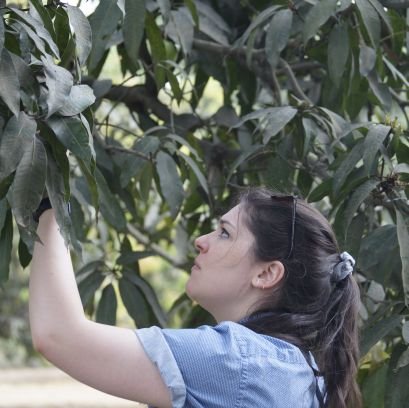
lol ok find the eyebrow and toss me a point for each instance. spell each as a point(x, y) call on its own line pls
point(223, 221)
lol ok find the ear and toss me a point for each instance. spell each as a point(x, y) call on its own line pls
point(269, 276)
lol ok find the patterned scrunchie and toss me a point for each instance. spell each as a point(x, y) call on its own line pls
point(343, 268)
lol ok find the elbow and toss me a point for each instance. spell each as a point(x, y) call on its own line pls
point(43, 342)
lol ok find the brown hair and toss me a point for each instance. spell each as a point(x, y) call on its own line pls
point(307, 309)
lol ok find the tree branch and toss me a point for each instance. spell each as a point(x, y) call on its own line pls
point(143, 239)
point(395, 4)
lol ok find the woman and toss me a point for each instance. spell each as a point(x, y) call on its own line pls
point(283, 296)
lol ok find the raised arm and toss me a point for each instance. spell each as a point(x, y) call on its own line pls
point(107, 358)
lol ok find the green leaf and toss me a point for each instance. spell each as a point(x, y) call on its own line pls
point(59, 83)
point(73, 135)
point(6, 243)
point(277, 35)
point(89, 285)
point(180, 29)
point(109, 205)
point(106, 311)
point(29, 182)
point(243, 157)
point(212, 24)
point(401, 168)
point(39, 30)
point(377, 332)
point(135, 303)
point(396, 389)
point(371, 21)
point(82, 31)
point(317, 16)
point(358, 196)
point(190, 4)
point(346, 166)
point(199, 174)
point(149, 295)
point(9, 84)
point(129, 258)
point(18, 132)
point(79, 99)
point(131, 165)
point(403, 360)
point(41, 14)
point(367, 59)
point(133, 27)
point(338, 52)
point(170, 182)
point(2, 37)
point(382, 13)
point(373, 388)
point(380, 90)
point(402, 224)
point(24, 255)
point(372, 143)
point(103, 24)
point(157, 48)
point(405, 331)
point(258, 21)
point(5, 184)
point(322, 190)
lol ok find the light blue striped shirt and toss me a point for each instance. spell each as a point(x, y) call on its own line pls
point(229, 365)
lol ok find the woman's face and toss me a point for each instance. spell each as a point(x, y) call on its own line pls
point(221, 278)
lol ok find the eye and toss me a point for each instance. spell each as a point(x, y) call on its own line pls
point(224, 233)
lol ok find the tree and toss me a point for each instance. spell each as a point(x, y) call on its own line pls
point(315, 101)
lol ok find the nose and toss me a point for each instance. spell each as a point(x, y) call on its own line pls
point(201, 244)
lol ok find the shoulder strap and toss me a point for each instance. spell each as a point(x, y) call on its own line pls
point(317, 374)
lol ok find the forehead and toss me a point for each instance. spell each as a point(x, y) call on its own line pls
point(233, 216)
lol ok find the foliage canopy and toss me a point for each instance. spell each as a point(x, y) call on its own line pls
point(314, 101)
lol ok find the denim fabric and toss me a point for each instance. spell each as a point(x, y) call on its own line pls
point(230, 366)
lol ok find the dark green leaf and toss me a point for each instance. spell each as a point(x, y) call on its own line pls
point(382, 13)
point(73, 135)
point(338, 52)
point(402, 224)
point(380, 90)
point(41, 14)
point(358, 196)
point(129, 258)
point(82, 31)
point(212, 24)
point(24, 255)
point(133, 27)
point(317, 16)
point(321, 191)
point(5, 184)
point(103, 24)
point(6, 243)
point(198, 172)
point(371, 20)
point(29, 182)
point(106, 311)
point(59, 83)
point(110, 208)
point(372, 143)
point(377, 332)
point(150, 297)
point(242, 158)
point(346, 166)
point(1, 35)
point(89, 285)
point(170, 183)
point(158, 50)
point(9, 85)
point(3, 212)
point(79, 99)
point(277, 35)
point(18, 132)
point(135, 303)
point(373, 388)
point(396, 389)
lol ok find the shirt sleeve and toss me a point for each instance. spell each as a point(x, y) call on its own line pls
point(199, 366)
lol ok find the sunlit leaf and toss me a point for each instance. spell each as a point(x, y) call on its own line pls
point(133, 27)
point(82, 31)
point(317, 16)
point(277, 35)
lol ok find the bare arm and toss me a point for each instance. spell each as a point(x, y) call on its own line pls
point(107, 358)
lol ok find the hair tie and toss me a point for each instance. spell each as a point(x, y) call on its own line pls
point(343, 268)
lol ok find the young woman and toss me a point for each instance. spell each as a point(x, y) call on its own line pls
point(283, 296)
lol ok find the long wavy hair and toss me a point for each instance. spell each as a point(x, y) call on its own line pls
point(307, 308)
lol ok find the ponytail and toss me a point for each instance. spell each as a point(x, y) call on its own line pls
point(337, 342)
